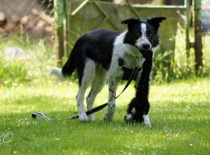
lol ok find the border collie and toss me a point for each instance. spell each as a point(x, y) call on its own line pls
point(105, 54)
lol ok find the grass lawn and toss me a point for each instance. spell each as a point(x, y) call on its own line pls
point(180, 117)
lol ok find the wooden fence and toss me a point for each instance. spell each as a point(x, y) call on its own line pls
point(82, 16)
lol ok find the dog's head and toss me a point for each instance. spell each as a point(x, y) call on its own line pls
point(143, 33)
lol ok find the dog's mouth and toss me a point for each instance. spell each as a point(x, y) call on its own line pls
point(146, 53)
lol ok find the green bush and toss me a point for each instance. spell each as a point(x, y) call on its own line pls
point(168, 66)
point(180, 64)
point(12, 72)
point(32, 69)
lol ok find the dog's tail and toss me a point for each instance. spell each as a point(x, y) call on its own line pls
point(67, 69)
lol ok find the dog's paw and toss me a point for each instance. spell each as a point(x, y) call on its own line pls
point(128, 118)
point(148, 124)
point(92, 117)
point(108, 117)
point(83, 117)
point(147, 121)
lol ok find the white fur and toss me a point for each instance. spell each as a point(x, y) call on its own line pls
point(146, 120)
point(154, 49)
point(56, 72)
point(89, 72)
point(143, 39)
point(132, 58)
point(96, 74)
point(119, 39)
point(97, 85)
point(128, 116)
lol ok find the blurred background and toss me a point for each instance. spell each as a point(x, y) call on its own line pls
point(47, 30)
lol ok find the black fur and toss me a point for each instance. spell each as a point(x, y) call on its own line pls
point(91, 43)
point(139, 105)
point(98, 45)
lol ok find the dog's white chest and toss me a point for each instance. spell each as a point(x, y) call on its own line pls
point(129, 54)
point(125, 55)
point(132, 62)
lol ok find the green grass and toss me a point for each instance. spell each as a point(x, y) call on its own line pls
point(180, 111)
point(180, 114)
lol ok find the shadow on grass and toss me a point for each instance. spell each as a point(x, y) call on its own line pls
point(170, 131)
point(161, 119)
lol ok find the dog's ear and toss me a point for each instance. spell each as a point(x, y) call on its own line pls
point(130, 22)
point(155, 22)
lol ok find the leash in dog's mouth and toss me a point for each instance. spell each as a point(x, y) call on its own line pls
point(91, 111)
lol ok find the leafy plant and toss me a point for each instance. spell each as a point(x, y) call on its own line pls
point(12, 73)
point(168, 66)
point(180, 64)
point(40, 58)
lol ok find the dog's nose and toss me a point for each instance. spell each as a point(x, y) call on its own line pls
point(146, 46)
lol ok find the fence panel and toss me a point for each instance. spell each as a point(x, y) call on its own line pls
point(89, 15)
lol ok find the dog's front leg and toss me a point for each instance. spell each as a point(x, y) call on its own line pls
point(111, 99)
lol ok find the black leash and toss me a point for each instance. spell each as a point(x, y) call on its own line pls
point(98, 108)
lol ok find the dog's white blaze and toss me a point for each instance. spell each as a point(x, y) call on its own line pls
point(143, 31)
point(143, 39)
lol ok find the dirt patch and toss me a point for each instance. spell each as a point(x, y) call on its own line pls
point(29, 20)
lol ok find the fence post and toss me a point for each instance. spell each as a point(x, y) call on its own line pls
point(198, 36)
point(68, 18)
point(59, 39)
point(187, 25)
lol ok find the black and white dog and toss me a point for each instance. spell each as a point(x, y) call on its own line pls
point(105, 54)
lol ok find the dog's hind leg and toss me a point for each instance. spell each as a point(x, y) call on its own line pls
point(88, 75)
point(97, 85)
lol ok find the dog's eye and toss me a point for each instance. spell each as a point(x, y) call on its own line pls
point(149, 33)
point(138, 34)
